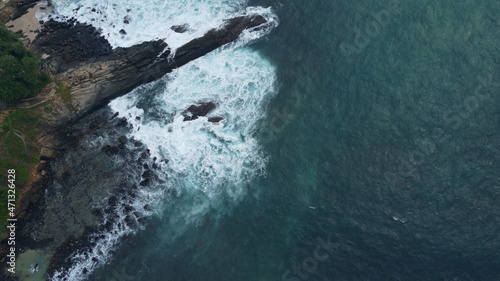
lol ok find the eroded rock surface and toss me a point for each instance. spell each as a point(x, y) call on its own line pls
point(77, 55)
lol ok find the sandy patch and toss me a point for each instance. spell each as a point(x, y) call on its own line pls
point(29, 23)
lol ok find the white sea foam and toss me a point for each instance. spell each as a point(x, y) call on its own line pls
point(209, 164)
point(152, 19)
point(209, 157)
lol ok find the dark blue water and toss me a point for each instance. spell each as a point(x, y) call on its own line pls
point(383, 138)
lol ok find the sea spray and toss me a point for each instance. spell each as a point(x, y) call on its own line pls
point(207, 164)
point(125, 25)
point(216, 159)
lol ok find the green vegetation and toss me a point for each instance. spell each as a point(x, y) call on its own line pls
point(23, 121)
point(19, 125)
point(19, 75)
point(64, 91)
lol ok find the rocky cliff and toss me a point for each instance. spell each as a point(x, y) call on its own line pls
point(93, 73)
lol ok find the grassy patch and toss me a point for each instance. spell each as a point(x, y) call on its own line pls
point(15, 146)
point(24, 123)
point(64, 92)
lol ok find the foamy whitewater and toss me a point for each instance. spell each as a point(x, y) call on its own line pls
point(209, 164)
point(145, 20)
point(213, 158)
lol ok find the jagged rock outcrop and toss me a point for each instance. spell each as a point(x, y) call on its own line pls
point(12, 9)
point(197, 110)
point(78, 56)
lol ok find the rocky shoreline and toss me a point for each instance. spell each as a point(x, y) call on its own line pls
point(83, 62)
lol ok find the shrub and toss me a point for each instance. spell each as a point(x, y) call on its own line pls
point(19, 75)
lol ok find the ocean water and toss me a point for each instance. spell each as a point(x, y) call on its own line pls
point(360, 141)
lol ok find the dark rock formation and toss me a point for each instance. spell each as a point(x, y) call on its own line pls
point(123, 139)
point(215, 119)
point(77, 55)
point(69, 42)
point(180, 28)
point(10, 9)
point(110, 150)
point(195, 111)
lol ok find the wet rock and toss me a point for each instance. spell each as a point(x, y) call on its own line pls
point(144, 182)
point(123, 32)
point(94, 125)
point(112, 201)
point(128, 208)
point(110, 150)
point(180, 28)
point(195, 111)
point(215, 119)
point(126, 20)
point(79, 55)
point(65, 172)
point(97, 212)
point(137, 144)
point(108, 226)
point(147, 174)
point(123, 139)
point(131, 222)
point(122, 123)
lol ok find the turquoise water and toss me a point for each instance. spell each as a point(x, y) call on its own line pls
point(380, 139)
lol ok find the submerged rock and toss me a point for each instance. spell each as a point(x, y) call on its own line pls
point(123, 139)
point(215, 119)
point(180, 28)
point(195, 111)
point(110, 150)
